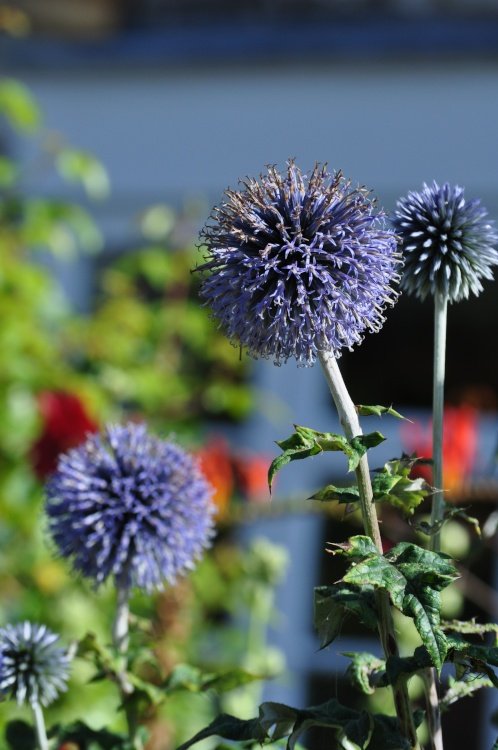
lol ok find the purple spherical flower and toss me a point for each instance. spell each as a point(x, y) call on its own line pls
point(128, 505)
point(298, 264)
point(449, 244)
point(33, 669)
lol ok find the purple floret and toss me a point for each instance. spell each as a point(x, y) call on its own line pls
point(298, 265)
point(128, 505)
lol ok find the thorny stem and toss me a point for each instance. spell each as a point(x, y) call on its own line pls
point(349, 419)
point(437, 511)
point(41, 732)
point(120, 639)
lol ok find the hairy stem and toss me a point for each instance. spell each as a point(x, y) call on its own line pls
point(120, 639)
point(349, 419)
point(437, 511)
point(433, 713)
point(41, 732)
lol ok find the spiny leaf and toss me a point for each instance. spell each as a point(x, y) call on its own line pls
point(306, 442)
point(473, 658)
point(413, 577)
point(378, 411)
point(279, 721)
point(363, 668)
point(391, 484)
point(458, 689)
point(332, 604)
point(356, 730)
point(230, 728)
point(450, 511)
point(356, 547)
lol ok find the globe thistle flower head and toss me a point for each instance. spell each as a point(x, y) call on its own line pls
point(128, 505)
point(449, 244)
point(33, 668)
point(298, 264)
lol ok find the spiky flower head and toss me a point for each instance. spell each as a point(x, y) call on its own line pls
point(33, 668)
point(129, 505)
point(449, 244)
point(298, 264)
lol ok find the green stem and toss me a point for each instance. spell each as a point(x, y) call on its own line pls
point(41, 732)
point(437, 511)
point(349, 419)
point(120, 639)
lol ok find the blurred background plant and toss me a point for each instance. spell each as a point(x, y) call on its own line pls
point(147, 350)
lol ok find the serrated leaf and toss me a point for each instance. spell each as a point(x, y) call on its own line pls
point(306, 442)
point(333, 604)
point(402, 667)
point(392, 484)
point(450, 511)
point(378, 411)
point(279, 721)
point(357, 547)
point(229, 728)
point(413, 577)
point(331, 493)
point(458, 689)
point(363, 669)
point(473, 658)
point(356, 730)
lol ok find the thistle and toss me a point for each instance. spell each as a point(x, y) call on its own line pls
point(302, 267)
point(448, 243)
point(449, 246)
point(128, 505)
point(298, 265)
point(33, 669)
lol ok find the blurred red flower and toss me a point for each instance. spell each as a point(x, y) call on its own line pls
point(460, 435)
point(65, 424)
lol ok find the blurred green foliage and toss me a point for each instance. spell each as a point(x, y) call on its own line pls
point(147, 350)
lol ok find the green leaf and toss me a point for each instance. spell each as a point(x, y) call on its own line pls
point(413, 577)
point(279, 721)
point(305, 442)
point(363, 669)
point(398, 667)
point(188, 678)
point(18, 106)
point(356, 730)
point(333, 604)
point(378, 411)
point(81, 167)
point(450, 511)
point(356, 547)
point(458, 689)
point(470, 657)
point(391, 484)
point(230, 728)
